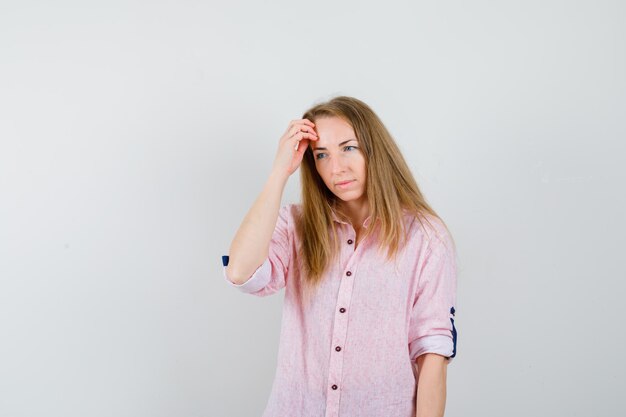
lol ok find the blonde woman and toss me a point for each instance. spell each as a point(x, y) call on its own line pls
point(368, 268)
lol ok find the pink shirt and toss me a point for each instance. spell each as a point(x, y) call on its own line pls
point(350, 352)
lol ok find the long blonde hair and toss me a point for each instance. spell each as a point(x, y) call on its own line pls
point(390, 189)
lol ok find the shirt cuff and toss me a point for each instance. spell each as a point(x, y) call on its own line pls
point(258, 280)
point(440, 344)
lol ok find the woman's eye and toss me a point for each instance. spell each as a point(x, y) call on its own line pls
point(345, 148)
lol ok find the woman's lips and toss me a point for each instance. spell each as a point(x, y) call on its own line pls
point(345, 184)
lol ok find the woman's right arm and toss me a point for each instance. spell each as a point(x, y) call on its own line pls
point(250, 246)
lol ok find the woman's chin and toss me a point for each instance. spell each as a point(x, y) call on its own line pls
point(348, 196)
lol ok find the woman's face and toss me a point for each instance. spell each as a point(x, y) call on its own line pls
point(338, 159)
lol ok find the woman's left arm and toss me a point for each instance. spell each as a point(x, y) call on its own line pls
point(431, 385)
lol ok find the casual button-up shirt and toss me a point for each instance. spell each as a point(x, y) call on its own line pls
point(351, 350)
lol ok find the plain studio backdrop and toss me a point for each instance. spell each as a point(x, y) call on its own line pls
point(135, 136)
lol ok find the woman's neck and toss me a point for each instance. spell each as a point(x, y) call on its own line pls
point(356, 211)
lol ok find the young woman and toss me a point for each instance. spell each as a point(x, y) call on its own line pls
point(365, 332)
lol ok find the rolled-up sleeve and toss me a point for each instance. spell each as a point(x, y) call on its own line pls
point(431, 327)
point(271, 275)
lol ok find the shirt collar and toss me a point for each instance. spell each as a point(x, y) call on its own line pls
point(336, 218)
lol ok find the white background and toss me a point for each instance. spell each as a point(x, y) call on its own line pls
point(135, 135)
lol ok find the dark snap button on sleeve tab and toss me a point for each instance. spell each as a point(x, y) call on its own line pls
point(349, 241)
point(348, 273)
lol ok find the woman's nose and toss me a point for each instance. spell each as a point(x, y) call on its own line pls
point(338, 165)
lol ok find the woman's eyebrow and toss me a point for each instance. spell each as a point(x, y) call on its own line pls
point(342, 143)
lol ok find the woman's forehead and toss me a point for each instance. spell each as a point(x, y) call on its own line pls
point(332, 132)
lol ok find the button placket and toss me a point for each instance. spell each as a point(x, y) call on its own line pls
point(340, 327)
point(339, 339)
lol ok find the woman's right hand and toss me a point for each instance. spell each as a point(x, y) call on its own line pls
point(293, 144)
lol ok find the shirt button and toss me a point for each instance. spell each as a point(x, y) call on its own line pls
point(334, 387)
point(349, 241)
point(338, 348)
point(348, 273)
point(342, 310)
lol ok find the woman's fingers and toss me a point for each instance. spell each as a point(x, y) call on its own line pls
point(306, 138)
point(302, 136)
point(301, 146)
point(300, 128)
point(306, 121)
point(289, 155)
point(300, 123)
